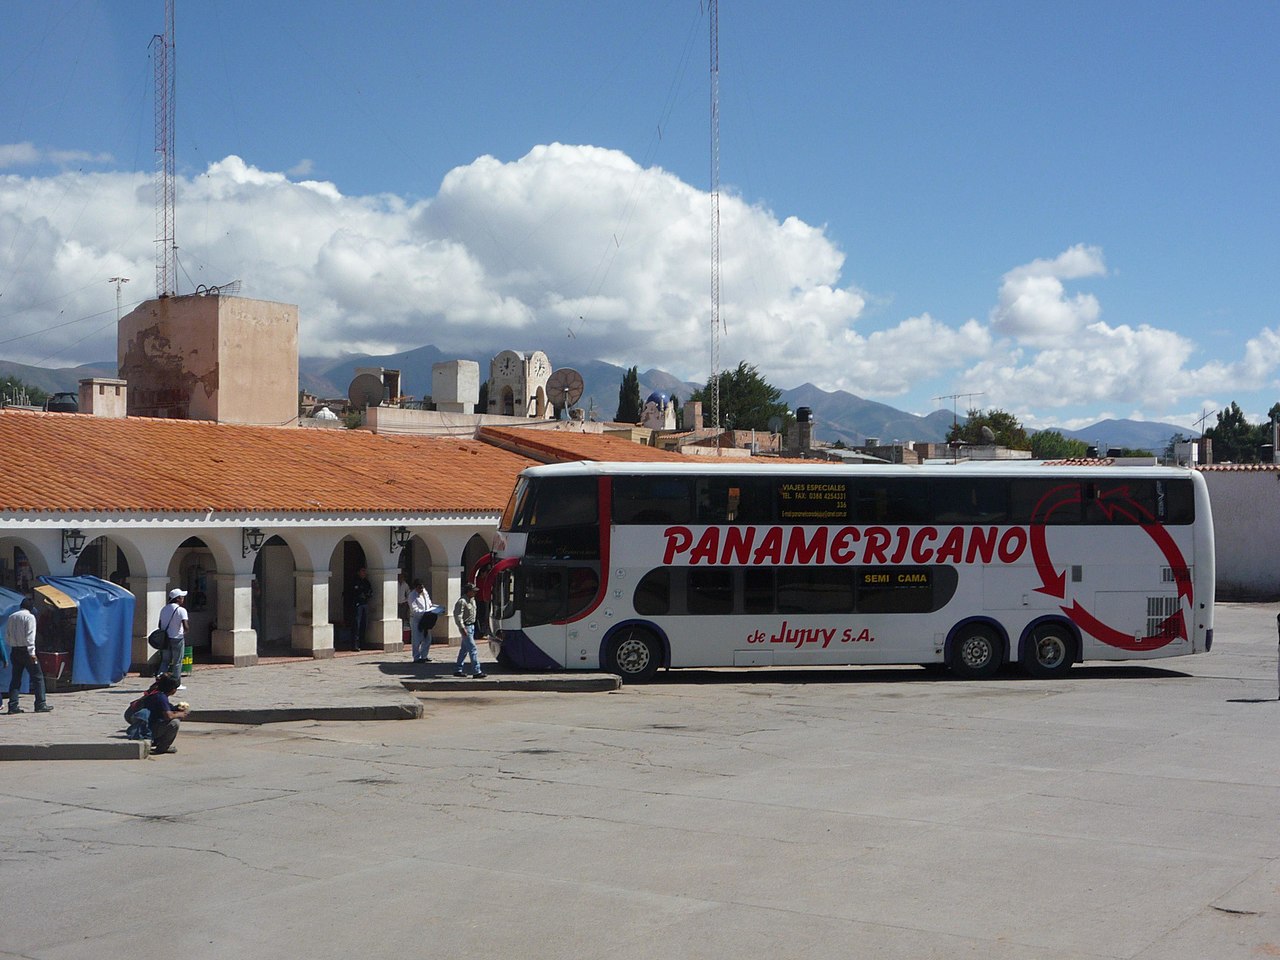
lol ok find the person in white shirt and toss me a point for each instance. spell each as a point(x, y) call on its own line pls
point(173, 621)
point(420, 633)
point(20, 635)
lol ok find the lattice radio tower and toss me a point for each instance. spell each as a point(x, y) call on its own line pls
point(166, 95)
point(714, 10)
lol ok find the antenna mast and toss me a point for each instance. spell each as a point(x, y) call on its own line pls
point(714, 9)
point(166, 95)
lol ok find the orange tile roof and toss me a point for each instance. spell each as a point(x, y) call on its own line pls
point(561, 446)
point(76, 462)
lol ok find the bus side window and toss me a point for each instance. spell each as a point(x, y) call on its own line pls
point(815, 590)
point(564, 501)
point(653, 593)
point(709, 592)
point(982, 500)
point(1175, 501)
point(734, 500)
point(893, 500)
point(757, 590)
point(1046, 501)
point(651, 500)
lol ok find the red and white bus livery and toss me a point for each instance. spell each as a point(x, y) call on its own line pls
point(634, 567)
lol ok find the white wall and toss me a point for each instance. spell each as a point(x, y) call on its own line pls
point(1246, 526)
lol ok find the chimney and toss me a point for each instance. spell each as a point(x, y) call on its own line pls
point(103, 397)
point(804, 421)
point(691, 415)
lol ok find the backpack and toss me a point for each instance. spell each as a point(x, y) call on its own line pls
point(427, 621)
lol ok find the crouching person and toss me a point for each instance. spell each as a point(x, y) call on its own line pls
point(156, 713)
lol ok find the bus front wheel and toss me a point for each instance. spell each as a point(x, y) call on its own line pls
point(976, 653)
point(1049, 652)
point(634, 655)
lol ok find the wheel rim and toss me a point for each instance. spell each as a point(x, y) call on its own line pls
point(633, 655)
point(976, 651)
point(1051, 650)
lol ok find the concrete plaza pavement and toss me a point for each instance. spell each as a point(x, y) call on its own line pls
point(88, 724)
point(1125, 811)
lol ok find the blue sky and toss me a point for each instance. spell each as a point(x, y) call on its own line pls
point(1067, 209)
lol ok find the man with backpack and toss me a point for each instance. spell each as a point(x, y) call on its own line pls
point(173, 621)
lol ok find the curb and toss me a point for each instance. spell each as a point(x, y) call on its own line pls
point(111, 750)
point(261, 715)
point(581, 683)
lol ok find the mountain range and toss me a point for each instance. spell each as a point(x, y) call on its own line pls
point(838, 415)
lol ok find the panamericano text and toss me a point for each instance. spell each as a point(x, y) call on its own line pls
point(757, 546)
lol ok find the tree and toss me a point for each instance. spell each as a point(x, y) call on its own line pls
point(1052, 445)
point(747, 400)
point(629, 406)
point(1235, 440)
point(12, 389)
point(1008, 432)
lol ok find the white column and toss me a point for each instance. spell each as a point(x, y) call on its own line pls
point(148, 602)
point(235, 641)
point(453, 590)
point(312, 633)
point(385, 630)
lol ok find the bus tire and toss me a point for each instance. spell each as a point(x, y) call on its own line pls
point(1049, 651)
point(976, 652)
point(634, 655)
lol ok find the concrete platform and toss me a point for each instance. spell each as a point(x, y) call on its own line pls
point(88, 724)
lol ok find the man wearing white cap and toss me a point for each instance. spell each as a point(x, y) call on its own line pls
point(173, 621)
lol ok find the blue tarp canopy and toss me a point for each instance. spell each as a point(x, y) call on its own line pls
point(104, 628)
point(8, 604)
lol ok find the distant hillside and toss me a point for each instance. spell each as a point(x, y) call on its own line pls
point(53, 380)
point(848, 417)
point(838, 415)
point(1134, 434)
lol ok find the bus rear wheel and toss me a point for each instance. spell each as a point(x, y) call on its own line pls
point(976, 653)
point(1049, 652)
point(634, 655)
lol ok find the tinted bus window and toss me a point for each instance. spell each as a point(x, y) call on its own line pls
point(730, 500)
point(1175, 501)
point(905, 589)
point(813, 500)
point(893, 500)
point(653, 593)
point(814, 590)
point(562, 502)
point(981, 500)
point(709, 591)
point(638, 500)
point(1045, 501)
point(757, 590)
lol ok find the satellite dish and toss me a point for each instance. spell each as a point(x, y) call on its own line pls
point(988, 435)
point(366, 390)
point(564, 387)
point(775, 424)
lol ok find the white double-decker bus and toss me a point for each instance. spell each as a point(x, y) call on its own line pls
point(633, 567)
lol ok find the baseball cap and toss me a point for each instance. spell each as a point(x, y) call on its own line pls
point(176, 592)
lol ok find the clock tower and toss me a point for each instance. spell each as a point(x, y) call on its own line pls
point(518, 385)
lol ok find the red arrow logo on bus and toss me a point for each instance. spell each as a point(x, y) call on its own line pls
point(1112, 503)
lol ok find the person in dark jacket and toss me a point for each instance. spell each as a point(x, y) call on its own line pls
point(157, 711)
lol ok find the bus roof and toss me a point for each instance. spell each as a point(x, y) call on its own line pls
point(980, 468)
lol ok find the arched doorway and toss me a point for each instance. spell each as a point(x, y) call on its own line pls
point(193, 568)
point(274, 598)
point(103, 559)
point(344, 567)
point(19, 566)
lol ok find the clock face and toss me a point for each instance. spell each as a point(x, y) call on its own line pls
point(506, 366)
point(540, 368)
